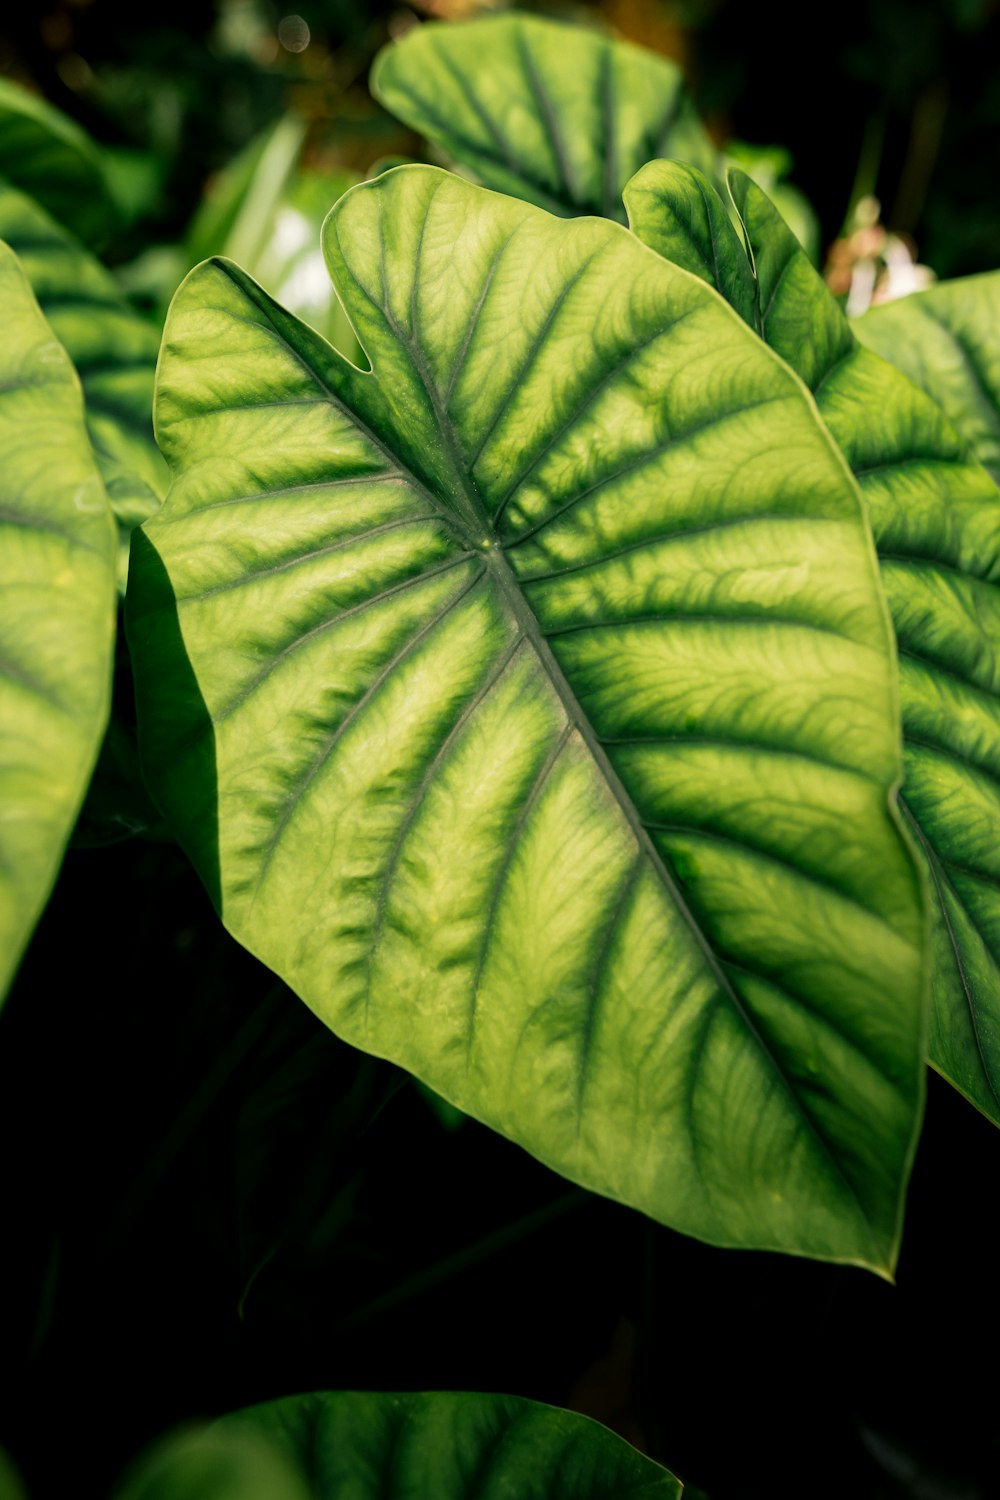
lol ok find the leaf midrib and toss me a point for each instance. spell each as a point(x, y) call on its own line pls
point(530, 628)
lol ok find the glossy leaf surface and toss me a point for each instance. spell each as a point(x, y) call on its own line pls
point(936, 517)
point(113, 349)
point(947, 340)
point(558, 115)
point(46, 155)
point(57, 603)
point(360, 1445)
point(528, 705)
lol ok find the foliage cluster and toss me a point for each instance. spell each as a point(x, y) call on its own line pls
point(568, 656)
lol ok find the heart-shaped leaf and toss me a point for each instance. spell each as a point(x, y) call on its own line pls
point(947, 340)
point(438, 1445)
point(529, 705)
point(113, 348)
point(559, 115)
point(57, 609)
point(936, 517)
point(46, 155)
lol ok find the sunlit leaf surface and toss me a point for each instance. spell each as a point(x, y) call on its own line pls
point(936, 516)
point(57, 609)
point(528, 704)
point(559, 115)
point(947, 340)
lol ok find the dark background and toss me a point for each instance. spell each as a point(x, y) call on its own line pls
point(206, 1199)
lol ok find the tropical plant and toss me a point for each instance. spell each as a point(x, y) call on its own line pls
point(577, 681)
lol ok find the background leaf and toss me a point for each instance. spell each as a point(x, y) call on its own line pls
point(936, 518)
point(265, 211)
point(56, 609)
point(558, 115)
point(947, 340)
point(49, 157)
point(113, 349)
point(528, 706)
point(217, 1463)
point(450, 1446)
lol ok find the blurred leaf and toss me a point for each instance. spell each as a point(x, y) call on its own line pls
point(936, 519)
point(47, 156)
point(558, 115)
point(135, 180)
point(356, 1445)
point(11, 1487)
point(57, 609)
point(265, 211)
point(219, 1463)
point(241, 199)
point(947, 340)
point(113, 349)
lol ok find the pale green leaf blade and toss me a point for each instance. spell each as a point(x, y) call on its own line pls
point(559, 115)
point(436, 1445)
point(57, 610)
point(529, 706)
point(947, 340)
point(48, 156)
point(936, 517)
point(113, 349)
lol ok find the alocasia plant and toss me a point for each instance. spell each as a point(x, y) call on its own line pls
point(112, 348)
point(557, 115)
point(529, 699)
point(364, 1445)
point(57, 609)
point(48, 156)
point(528, 704)
point(947, 340)
point(936, 517)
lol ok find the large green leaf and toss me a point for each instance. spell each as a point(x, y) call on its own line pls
point(113, 348)
point(936, 517)
point(947, 340)
point(558, 115)
point(528, 705)
point(46, 155)
point(57, 609)
point(361, 1445)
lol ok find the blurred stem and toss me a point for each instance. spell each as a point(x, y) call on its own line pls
point(926, 130)
point(197, 1107)
point(463, 1260)
point(869, 162)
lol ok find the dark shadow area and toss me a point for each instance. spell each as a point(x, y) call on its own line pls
point(175, 734)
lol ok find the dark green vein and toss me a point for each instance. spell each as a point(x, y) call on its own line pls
point(298, 793)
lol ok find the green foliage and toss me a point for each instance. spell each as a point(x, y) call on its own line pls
point(947, 340)
point(112, 348)
point(265, 212)
point(57, 592)
point(475, 688)
point(47, 156)
point(936, 519)
point(350, 1445)
point(554, 114)
point(568, 659)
